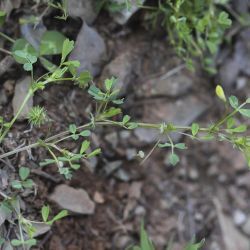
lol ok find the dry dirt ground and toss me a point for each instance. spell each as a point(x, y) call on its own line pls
point(206, 195)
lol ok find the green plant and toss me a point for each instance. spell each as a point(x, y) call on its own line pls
point(195, 28)
point(108, 113)
point(61, 6)
point(147, 244)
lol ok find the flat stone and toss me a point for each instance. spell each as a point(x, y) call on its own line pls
point(74, 200)
point(21, 90)
point(174, 86)
point(82, 8)
point(181, 112)
point(246, 227)
point(239, 217)
point(121, 67)
point(90, 50)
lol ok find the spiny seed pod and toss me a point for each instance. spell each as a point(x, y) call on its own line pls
point(37, 116)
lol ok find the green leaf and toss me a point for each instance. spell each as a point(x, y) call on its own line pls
point(94, 153)
point(72, 128)
point(24, 173)
point(45, 213)
point(75, 166)
point(85, 133)
point(230, 122)
point(26, 48)
point(109, 83)
point(220, 93)
point(195, 129)
point(16, 243)
point(118, 101)
point(145, 242)
point(180, 146)
point(47, 64)
point(245, 112)
point(126, 119)
point(196, 246)
point(75, 137)
point(174, 159)
point(2, 17)
point(111, 112)
point(30, 242)
point(164, 145)
point(240, 129)
point(133, 125)
point(60, 215)
point(68, 46)
point(51, 43)
point(96, 93)
point(233, 100)
point(224, 19)
point(84, 78)
point(84, 147)
point(28, 183)
point(16, 184)
point(248, 100)
point(27, 67)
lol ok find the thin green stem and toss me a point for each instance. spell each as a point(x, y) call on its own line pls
point(30, 93)
point(7, 37)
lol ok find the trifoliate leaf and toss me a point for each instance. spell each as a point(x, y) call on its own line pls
point(26, 48)
point(224, 19)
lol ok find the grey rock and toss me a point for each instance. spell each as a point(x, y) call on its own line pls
point(193, 174)
point(174, 86)
point(131, 153)
point(110, 167)
point(90, 50)
point(231, 236)
point(121, 67)
point(237, 62)
point(21, 90)
point(125, 14)
point(181, 112)
point(125, 134)
point(112, 138)
point(239, 217)
point(41, 228)
point(74, 200)
point(33, 33)
point(122, 175)
point(3, 98)
point(84, 9)
point(122, 241)
point(246, 227)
